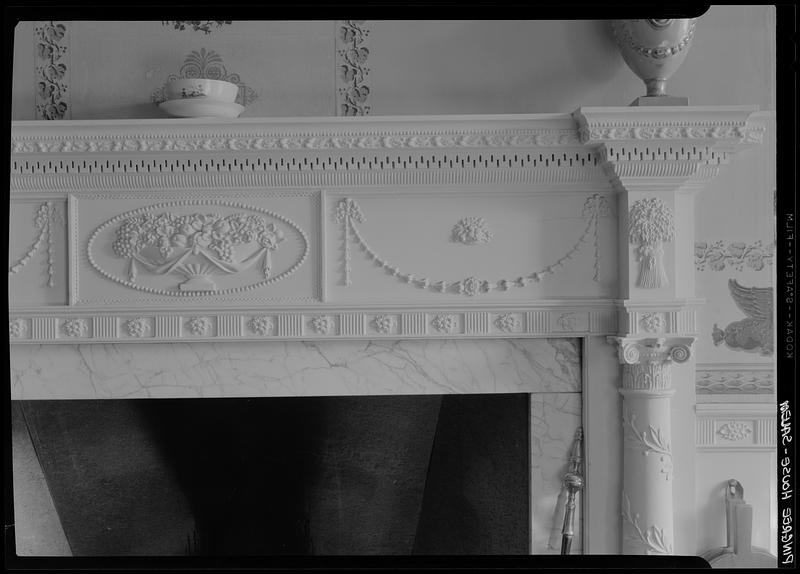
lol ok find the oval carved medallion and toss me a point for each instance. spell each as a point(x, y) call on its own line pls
point(197, 247)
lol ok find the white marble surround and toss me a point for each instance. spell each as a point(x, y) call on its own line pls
point(548, 369)
point(294, 368)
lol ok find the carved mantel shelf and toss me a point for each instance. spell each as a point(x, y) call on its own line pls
point(449, 227)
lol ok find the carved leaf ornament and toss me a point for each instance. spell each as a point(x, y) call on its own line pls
point(197, 246)
point(348, 212)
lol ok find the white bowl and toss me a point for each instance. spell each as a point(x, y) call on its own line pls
point(187, 88)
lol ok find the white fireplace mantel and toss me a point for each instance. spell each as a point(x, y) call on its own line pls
point(449, 227)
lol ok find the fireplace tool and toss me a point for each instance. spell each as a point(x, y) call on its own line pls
point(573, 482)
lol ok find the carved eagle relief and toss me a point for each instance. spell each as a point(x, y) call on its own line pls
point(753, 333)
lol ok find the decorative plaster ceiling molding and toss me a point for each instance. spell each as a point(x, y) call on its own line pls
point(726, 427)
point(218, 324)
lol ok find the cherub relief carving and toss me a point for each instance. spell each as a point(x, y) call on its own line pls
point(754, 333)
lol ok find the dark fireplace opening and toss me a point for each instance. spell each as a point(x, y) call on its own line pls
point(372, 475)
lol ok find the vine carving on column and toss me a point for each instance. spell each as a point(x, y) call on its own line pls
point(348, 212)
point(352, 68)
point(650, 441)
point(652, 539)
point(51, 71)
point(650, 225)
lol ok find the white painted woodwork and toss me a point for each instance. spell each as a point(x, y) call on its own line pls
point(366, 210)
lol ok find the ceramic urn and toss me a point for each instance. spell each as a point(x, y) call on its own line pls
point(654, 49)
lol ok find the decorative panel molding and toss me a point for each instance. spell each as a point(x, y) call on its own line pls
point(743, 426)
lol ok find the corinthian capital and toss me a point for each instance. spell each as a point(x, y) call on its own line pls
point(647, 363)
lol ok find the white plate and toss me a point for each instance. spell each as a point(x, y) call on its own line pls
point(201, 108)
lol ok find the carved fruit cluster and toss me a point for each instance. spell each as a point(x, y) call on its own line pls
point(217, 233)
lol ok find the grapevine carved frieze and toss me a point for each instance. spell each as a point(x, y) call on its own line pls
point(348, 212)
point(52, 87)
point(717, 256)
point(47, 216)
point(197, 246)
point(353, 70)
point(651, 224)
point(651, 539)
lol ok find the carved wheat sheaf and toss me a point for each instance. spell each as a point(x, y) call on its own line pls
point(174, 242)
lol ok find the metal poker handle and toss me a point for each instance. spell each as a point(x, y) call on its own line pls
point(573, 482)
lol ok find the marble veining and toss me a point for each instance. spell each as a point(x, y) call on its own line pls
point(295, 368)
point(549, 369)
point(554, 420)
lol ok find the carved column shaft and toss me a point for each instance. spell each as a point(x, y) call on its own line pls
point(647, 509)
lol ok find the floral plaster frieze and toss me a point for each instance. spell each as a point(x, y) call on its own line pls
point(225, 324)
point(718, 256)
point(754, 333)
point(52, 74)
point(352, 59)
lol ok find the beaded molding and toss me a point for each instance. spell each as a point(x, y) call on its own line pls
point(46, 215)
